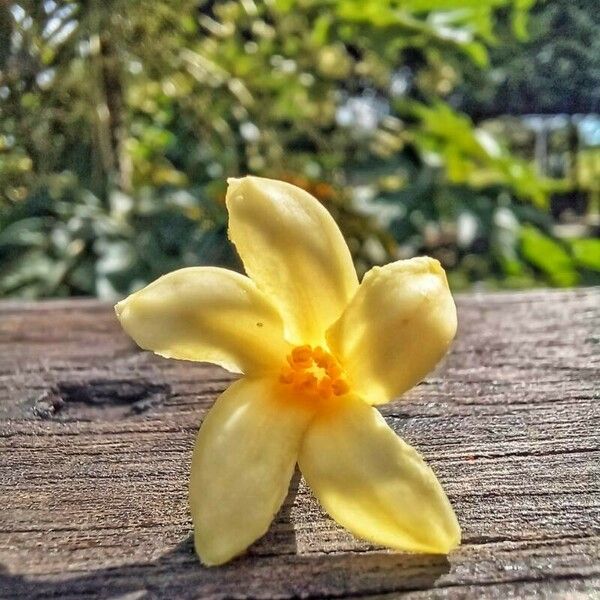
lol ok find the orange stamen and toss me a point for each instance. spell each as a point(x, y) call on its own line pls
point(325, 387)
point(287, 375)
point(334, 370)
point(314, 372)
point(340, 387)
point(301, 354)
point(319, 356)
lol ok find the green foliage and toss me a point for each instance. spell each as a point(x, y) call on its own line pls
point(549, 256)
point(471, 155)
point(80, 245)
point(586, 253)
point(120, 121)
point(556, 69)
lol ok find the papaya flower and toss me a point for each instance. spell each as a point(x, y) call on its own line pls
point(317, 351)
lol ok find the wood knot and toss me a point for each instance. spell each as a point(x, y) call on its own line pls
point(99, 399)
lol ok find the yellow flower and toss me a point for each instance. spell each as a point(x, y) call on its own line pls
point(316, 350)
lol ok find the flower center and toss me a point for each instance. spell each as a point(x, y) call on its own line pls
point(314, 371)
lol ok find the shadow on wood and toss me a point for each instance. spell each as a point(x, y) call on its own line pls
point(178, 573)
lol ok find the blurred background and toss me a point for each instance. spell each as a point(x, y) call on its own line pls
point(468, 130)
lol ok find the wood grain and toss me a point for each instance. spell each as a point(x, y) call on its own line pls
point(96, 439)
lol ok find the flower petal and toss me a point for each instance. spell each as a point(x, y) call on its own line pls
point(243, 461)
point(396, 328)
point(374, 484)
point(206, 314)
point(294, 251)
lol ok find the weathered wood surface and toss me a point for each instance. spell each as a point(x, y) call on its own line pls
point(96, 439)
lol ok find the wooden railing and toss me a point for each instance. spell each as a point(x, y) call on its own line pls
point(96, 439)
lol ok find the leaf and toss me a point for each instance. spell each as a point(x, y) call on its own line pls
point(586, 253)
point(520, 17)
point(549, 256)
point(471, 155)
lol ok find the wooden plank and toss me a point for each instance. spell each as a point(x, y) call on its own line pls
point(96, 439)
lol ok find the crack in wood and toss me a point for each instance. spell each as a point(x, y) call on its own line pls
point(104, 399)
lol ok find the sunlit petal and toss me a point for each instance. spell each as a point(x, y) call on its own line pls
point(243, 461)
point(294, 251)
point(206, 314)
point(396, 328)
point(374, 484)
